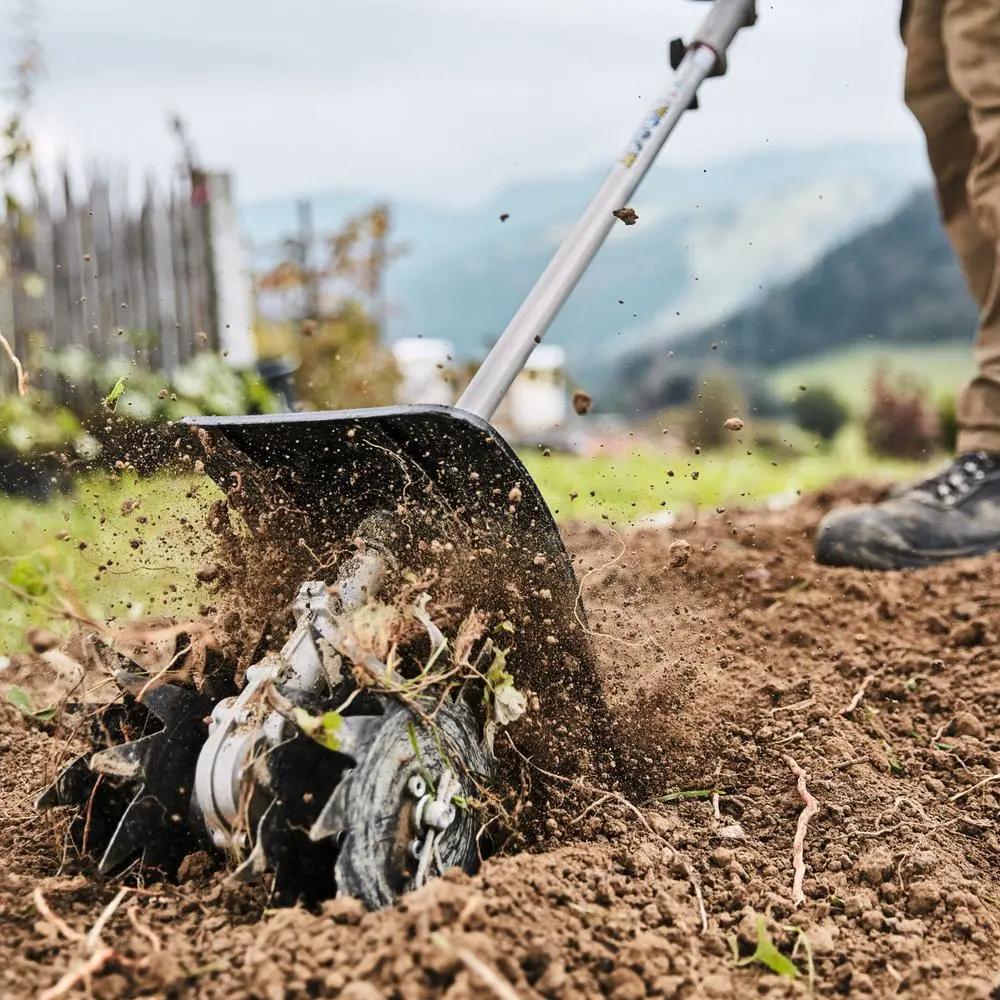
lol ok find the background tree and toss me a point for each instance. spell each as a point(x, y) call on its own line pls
point(820, 411)
point(341, 305)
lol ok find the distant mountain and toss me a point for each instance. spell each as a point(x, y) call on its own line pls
point(896, 282)
point(707, 239)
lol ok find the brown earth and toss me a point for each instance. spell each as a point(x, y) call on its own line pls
point(730, 660)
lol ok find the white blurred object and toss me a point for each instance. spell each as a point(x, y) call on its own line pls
point(537, 399)
point(230, 274)
point(424, 364)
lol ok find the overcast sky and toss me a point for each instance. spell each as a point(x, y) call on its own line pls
point(444, 99)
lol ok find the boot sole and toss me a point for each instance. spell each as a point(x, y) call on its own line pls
point(882, 557)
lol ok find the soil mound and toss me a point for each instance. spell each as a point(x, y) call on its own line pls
point(733, 663)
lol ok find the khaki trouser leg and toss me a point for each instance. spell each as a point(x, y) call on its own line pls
point(953, 89)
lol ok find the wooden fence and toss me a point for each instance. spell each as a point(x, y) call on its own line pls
point(136, 282)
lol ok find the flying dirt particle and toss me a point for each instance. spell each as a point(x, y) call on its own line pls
point(626, 215)
point(307, 327)
point(201, 337)
point(678, 553)
point(515, 495)
point(697, 450)
point(129, 505)
point(581, 402)
point(205, 439)
point(86, 256)
point(62, 536)
point(539, 559)
point(546, 452)
point(41, 640)
point(802, 388)
point(207, 572)
point(504, 216)
point(573, 495)
point(199, 467)
point(163, 393)
point(733, 424)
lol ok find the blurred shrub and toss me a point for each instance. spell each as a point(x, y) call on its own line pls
point(34, 425)
point(901, 422)
point(343, 364)
point(205, 385)
point(948, 419)
point(820, 411)
point(780, 438)
point(718, 398)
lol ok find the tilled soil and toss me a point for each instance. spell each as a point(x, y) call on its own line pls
point(731, 661)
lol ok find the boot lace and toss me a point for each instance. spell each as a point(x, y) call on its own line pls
point(958, 479)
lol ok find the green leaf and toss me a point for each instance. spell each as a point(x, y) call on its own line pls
point(30, 574)
point(324, 729)
point(767, 954)
point(111, 399)
point(498, 674)
point(20, 699)
point(694, 793)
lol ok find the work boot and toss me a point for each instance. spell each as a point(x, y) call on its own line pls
point(955, 513)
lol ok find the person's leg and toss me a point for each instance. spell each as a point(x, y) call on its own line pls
point(971, 34)
point(945, 119)
point(953, 88)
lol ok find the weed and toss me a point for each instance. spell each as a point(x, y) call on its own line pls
point(20, 699)
point(694, 793)
point(766, 954)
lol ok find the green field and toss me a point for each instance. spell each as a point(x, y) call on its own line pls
point(940, 368)
point(51, 554)
point(637, 485)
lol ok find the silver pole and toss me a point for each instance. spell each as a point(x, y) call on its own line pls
point(510, 353)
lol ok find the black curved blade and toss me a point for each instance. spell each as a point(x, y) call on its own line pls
point(133, 794)
point(302, 776)
point(155, 824)
point(71, 788)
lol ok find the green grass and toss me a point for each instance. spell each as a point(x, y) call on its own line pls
point(940, 368)
point(628, 487)
point(52, 552)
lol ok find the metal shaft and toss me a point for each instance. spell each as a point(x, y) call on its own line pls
point(510, 353)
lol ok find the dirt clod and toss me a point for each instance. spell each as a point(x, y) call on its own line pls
point(41, 640)
point(679, 553)
point(967, 724)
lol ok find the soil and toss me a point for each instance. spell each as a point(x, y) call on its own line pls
point(731, 662)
